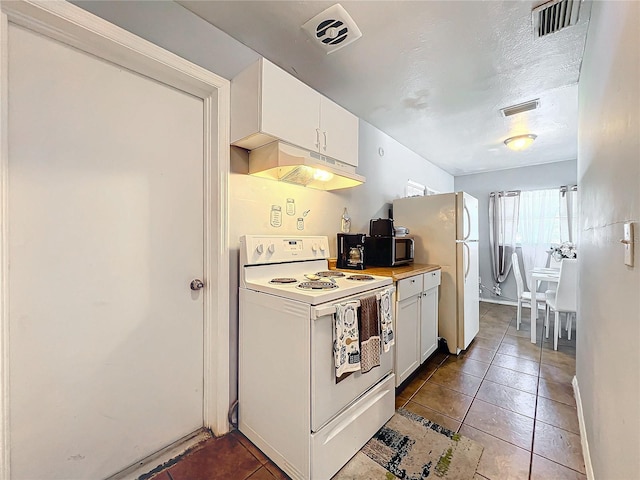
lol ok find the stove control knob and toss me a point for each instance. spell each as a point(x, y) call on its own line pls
point(271, 248)
point(322, 247)
point(260, 249)
point(314, 247)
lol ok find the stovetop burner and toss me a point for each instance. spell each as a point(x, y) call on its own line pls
point(330, 273)
point(317, 285)
point(283, 280)
point(361, 278)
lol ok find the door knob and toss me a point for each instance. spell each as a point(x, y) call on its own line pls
point(196, 284)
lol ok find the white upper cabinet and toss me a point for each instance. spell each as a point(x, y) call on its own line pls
point(269, 104)
point(338, 132)
point(290, 109)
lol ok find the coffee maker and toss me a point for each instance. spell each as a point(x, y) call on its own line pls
point(351, 252)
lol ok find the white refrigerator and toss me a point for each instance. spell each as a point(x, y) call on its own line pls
point(445, 230)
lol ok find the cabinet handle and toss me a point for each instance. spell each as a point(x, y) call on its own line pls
point(317, 138)
point(325, 141)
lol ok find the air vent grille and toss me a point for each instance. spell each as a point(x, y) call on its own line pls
point(555, 16)
point(520, 108)
point(332, 29)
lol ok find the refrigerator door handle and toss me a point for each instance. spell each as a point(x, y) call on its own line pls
point(468, 215)
point(467, 260)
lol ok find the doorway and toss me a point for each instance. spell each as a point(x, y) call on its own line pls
point(108, 208)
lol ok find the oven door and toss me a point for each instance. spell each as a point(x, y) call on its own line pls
point(329, 398)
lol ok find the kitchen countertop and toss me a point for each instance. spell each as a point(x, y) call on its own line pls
point(397, 273)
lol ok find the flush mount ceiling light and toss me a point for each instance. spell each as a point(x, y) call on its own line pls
point(520, 142)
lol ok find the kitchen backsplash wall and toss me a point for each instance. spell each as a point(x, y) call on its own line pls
point(304, 211)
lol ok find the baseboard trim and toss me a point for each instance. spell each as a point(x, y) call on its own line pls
point(157, 461)
point(583, 431)
point(499, 302)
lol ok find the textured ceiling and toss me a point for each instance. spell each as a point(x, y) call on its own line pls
point(433, 75)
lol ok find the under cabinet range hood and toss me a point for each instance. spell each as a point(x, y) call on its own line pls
point(280, 161)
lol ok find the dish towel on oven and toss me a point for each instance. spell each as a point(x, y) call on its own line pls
point(369, 333)
point(346, 342)
point(386, 319)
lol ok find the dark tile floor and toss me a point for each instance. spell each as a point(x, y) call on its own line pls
point(512, 396)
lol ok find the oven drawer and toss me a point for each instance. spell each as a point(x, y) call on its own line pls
point(341, 438)
point(408, 287)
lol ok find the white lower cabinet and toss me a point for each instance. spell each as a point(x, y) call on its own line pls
point(416, 326)
point(428, 323)
point(407, 338)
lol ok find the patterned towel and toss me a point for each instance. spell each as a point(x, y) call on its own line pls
point(369, 324)
point(346, 343)
point(386, 319)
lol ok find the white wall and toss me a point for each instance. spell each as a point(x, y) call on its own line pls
point(608, 355)
point(176, 29)
point(479, 185)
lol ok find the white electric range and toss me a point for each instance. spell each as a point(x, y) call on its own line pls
point(290, 404)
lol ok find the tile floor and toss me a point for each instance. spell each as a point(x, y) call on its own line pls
point(512, 396)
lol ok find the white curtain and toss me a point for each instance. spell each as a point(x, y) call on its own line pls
point(503, 225)
point(538, 228)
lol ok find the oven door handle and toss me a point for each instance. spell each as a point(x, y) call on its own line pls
point(318, 312)
point(321, 311)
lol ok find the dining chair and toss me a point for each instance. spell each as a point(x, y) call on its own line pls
point(524, 296)
point(565, 298)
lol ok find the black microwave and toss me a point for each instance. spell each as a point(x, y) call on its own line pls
point(388, 251)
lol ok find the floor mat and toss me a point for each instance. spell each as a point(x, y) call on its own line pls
point(410, 447)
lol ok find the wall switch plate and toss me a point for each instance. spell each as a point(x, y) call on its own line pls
point(627, 241)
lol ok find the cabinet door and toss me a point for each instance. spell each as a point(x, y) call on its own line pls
point(407, 337)
point(338, 132)
point(429, 323)
point(290, 109)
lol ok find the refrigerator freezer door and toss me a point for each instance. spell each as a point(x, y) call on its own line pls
point(432, 222)
point(467, 294)
point(466, 217)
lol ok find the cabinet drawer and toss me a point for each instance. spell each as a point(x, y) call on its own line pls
point(431, 279)
point(408, 287)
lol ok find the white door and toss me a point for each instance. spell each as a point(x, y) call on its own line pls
point(106, 231)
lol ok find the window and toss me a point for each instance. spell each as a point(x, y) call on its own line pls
point(545, 217)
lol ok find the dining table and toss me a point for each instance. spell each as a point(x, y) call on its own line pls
point(550, 275)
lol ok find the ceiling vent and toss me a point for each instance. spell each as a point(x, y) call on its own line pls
point(520, 108)
point(332, 29)
point(554, 16)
